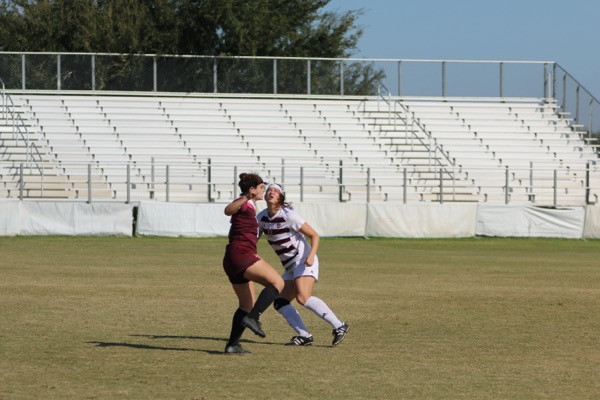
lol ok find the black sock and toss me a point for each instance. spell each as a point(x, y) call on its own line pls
point(265, 299)
point(236, 327)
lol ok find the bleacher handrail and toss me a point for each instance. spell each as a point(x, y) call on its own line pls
point(578, 87)
point(414, 122)
point(20, 129)
point(558, 66)
point(546, 189)
point(3, 94)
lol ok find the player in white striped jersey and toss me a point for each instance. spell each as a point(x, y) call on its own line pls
point(285, 230)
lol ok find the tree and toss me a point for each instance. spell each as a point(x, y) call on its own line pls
point(277, 28)
point(27, 25)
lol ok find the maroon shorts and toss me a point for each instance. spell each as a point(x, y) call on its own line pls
point(237, 260)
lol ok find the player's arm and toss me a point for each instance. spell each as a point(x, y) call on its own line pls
point(235, 205)
point(314, 238)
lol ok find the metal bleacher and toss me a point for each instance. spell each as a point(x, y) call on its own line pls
point(499, 143)
point(186, 148)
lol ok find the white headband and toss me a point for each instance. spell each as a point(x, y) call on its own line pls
point(276, 187)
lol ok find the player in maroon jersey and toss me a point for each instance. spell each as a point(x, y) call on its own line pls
point(243, 266)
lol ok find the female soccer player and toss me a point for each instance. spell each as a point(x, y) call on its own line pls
point(285, 230)
point(243, 266)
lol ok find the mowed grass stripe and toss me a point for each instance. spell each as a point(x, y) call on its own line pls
point(147, 318)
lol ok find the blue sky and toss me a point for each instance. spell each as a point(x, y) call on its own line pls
point(567, 32)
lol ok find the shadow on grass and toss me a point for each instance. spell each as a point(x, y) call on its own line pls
point(179, 337)
point(204, 338)
point(164, 348)
point(148, 347)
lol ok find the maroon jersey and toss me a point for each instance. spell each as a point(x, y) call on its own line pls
point(244, 226)
point(240, 253)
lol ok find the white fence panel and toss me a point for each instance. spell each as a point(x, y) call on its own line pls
point(528, 221)
point(62, 218)
point(422, 220)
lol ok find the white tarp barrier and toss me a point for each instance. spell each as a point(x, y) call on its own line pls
point(182, 219)
point(527, 221)
point(201, 220)
point(591, 229)
point(422, 220)
point(9, 217)
point(63, 218)
point(334, 219)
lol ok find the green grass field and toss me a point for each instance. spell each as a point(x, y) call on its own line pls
point(147, 318)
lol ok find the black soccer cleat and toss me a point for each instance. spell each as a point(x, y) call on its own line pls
point(339, 334)
point(236, 349)
point(254, 326)
point(301, 341)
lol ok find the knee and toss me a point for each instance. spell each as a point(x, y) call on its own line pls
point(302, 299)
point(280, 302)
point(279, 284)
point(276, 281)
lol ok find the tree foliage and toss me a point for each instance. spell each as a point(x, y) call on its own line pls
point(277, 28)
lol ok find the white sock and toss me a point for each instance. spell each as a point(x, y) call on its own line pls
point(319, 307)
point(293, 318)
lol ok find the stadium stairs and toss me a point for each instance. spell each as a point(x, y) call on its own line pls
point(25, 158)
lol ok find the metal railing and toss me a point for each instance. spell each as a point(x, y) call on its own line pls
point(395, 115)
point(298, 76)
point(210, 181)
point(19, 130)
point(397, 111)
point(583, 106)
point(3, 95)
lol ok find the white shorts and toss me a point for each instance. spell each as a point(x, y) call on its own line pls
point(302, 270)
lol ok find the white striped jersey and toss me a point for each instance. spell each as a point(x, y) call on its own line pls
point(284, 236)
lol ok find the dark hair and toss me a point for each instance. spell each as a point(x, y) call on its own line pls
point(248, 181)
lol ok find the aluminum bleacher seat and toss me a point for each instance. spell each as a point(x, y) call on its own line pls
point(466, 135)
